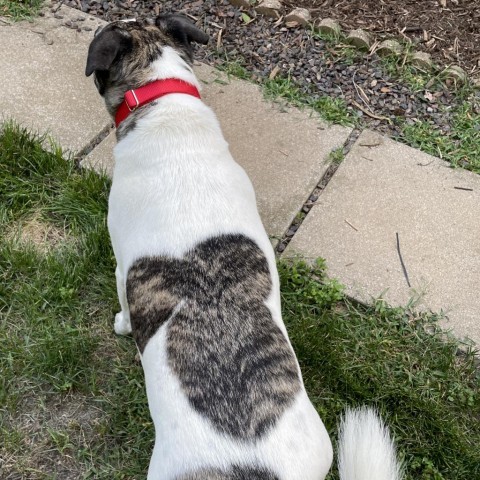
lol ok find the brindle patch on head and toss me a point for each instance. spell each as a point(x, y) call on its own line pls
point(232, 360)
point(236, 473)
point(121, 55)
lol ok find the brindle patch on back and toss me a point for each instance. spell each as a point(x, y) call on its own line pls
point(236, 473)
point(233, 362)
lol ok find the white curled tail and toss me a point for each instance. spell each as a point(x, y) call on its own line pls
point(366, 451)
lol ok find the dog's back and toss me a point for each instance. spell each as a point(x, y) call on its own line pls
point(197, 279)
point(224, 387)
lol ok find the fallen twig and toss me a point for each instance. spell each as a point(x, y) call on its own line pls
point(348, 223)
point(360, 91)
point(425, 164)
point(371, 114)
point(58, 7)
point(464, 188)
point(401, 261)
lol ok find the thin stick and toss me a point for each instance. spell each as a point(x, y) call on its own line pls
point(401, 261)
point(371, 114)
point(425, 164)
point(348, 223)
point(59, 6)
point(359, 90)
point(464, 188)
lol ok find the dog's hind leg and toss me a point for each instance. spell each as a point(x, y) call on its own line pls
point(122, 319)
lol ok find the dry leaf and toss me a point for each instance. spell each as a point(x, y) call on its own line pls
point(373, 83)
point(428, 96)
point(274, 72)
point(385, 90)
point(443, 3)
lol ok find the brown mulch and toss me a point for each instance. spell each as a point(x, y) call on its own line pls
point(447, 29)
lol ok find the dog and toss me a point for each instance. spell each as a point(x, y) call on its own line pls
point(198, 285)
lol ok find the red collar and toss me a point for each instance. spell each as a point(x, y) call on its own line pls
point(139, 97)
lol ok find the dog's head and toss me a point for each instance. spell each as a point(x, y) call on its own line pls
point(122, 53)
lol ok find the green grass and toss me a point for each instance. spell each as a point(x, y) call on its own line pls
point(72, 397)
point(56, 312)
point(20, 9)
point(281, 88)
point(336, 156)
point(461, 147)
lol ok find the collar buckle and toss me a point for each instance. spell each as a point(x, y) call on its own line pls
point(131, 100)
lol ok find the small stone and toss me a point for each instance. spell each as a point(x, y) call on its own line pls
point(422, 60)
point(240, 3)
point(331, 27)
point(475, 82)
point(270, 8)
point(389, 47)
point(299, 15)
point(360, 39)
point(456, 73)
point(292, 24)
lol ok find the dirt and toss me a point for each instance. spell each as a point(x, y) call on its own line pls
point(35, 231)
point(447, 29)
point(51, 431)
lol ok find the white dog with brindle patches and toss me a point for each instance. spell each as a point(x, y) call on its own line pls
point(198, 285)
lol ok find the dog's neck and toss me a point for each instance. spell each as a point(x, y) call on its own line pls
point(146, 94)
point(169, 65)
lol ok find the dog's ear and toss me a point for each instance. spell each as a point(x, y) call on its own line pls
point(105, 48)
point(181, 30)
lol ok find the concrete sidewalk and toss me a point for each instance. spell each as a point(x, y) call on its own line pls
point(382, 187)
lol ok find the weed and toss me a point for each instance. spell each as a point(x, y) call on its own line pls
point(336, 156)
point(461, 147)
point(20, 9)
point(330, 109)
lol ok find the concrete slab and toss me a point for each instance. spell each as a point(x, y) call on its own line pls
point(382, 188)
point(285, 154)
point(43, 81)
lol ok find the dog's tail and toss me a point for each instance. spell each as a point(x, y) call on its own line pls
point(366, 451)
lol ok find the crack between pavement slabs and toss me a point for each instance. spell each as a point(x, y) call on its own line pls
point(313, 197)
